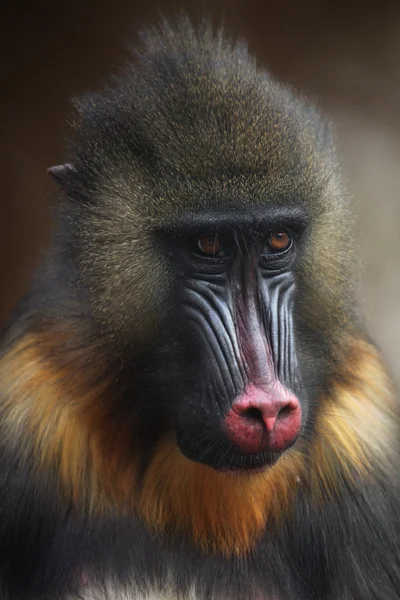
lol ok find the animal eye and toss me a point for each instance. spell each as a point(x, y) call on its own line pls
point(278, 241)
point(210, 245)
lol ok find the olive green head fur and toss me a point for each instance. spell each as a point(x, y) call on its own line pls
point(193, 123)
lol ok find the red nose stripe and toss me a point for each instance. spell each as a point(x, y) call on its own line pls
point(264, 419)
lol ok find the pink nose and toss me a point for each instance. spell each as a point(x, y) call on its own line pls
point(264, 419)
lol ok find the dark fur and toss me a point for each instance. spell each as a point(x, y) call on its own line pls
point(192, 126)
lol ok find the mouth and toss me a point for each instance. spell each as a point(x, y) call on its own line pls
point(224, 457)
point(245, 470)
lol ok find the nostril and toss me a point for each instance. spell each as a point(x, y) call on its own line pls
point(285, 410)
point(256, 413)
point(253, 413)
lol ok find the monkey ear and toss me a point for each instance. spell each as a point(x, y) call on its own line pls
point(61, 173)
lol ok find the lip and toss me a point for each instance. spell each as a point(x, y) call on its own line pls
point(224, 457)
point(237, 462)
point(244, 470)
point(250, 463)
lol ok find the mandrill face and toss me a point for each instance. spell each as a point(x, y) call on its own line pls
point(238, 296)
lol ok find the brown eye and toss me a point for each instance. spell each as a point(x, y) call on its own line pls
point(209, 244)
point(279, 240)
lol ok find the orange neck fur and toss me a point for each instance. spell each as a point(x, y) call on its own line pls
point(225, 510)
point(98, 462)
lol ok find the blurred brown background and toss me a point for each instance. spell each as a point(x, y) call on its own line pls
point(347, 56)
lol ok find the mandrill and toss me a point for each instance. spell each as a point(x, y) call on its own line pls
point(190, 405)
